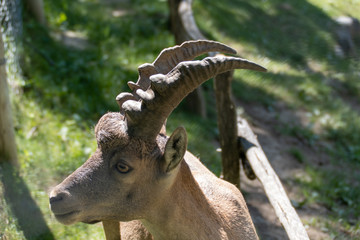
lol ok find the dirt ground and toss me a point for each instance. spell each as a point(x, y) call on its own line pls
point(276, 147)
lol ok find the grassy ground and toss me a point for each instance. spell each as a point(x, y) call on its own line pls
point(66, 89)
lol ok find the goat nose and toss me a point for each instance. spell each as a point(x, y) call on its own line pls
point(57, 197)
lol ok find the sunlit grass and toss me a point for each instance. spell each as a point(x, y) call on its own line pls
point(66, 90)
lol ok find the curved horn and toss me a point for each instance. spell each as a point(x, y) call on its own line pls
point(170, 57)
point(146, 117)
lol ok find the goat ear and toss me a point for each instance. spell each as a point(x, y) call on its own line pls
point(175, 149)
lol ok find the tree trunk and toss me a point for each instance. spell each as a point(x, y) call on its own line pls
point(8, 151)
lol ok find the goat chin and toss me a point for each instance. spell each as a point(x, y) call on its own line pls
point(91, 222)
point(72, 217)
point(68, 218)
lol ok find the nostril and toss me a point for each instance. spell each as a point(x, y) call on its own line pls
point(57, 198)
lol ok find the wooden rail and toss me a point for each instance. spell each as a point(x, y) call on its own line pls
point(274, 190)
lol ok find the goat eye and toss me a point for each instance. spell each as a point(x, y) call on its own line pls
point(123, 168)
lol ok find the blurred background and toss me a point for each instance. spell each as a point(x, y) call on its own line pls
point(66, 61)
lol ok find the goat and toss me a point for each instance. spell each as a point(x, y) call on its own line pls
point(150, 182)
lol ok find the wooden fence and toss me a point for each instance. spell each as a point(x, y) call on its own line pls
point(237, 140)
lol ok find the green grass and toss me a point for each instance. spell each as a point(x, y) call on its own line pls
point(295, 42)
point(65, 91)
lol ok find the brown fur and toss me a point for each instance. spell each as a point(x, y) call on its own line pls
point(148, 181)
point(184, 201)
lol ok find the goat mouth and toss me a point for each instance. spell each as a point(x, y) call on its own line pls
point(91, 222)
point(66, 217)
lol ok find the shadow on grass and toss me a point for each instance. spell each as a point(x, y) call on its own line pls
point(62, 79)
point(23, 207)
point(291, 31)
point(86, 82)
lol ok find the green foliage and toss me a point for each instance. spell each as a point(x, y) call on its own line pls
point(334, 189)
point(67, 88)
point(296, 153)
point(338, 192)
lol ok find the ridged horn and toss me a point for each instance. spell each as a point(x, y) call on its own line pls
point(170, 57)
point(146, 117)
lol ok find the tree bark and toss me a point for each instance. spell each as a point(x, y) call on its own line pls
point(8, 152)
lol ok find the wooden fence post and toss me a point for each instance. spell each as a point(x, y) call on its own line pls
point(184, 28)
point(226, 118)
